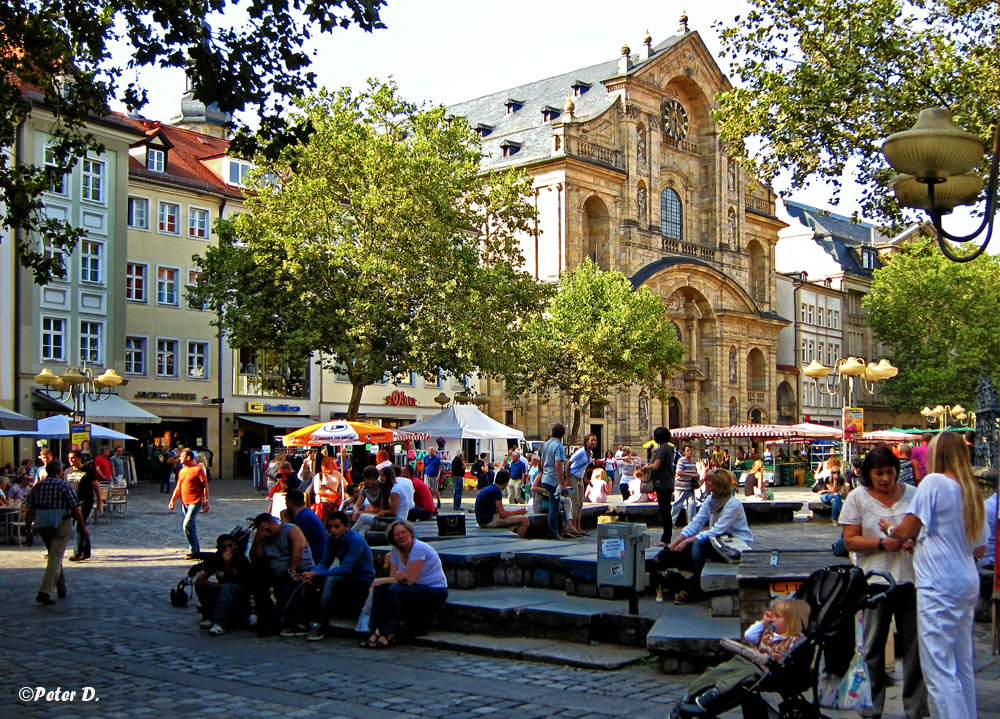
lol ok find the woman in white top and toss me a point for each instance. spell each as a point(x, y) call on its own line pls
point(416, 585)
point(328, 488)
point(947, 518)
point(882, 496)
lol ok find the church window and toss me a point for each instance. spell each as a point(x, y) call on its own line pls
point(671, 216)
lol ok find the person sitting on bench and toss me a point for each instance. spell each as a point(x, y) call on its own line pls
point(490, 512)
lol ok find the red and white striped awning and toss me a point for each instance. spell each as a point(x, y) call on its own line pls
point(404, 435)
point(698, 431)
point(812, 430)
point(759, 431)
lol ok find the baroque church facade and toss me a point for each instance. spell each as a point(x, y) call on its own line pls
point(628, 170)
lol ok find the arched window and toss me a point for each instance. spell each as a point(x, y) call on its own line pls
point(671, 215)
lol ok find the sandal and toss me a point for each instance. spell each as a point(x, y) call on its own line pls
point(371, 642)
point(386, 641)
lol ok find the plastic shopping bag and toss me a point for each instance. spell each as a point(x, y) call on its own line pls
point(366, 613)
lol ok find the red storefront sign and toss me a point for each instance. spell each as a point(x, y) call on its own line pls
point(399, 399)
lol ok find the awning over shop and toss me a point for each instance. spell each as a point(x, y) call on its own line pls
point(43, 402)
point(270, 420)
point(116, 409)
point(11, 420)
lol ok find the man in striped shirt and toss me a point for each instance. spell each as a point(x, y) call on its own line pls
point(51, 503)
point(685, 482)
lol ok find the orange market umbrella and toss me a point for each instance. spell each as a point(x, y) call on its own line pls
point(337, 432)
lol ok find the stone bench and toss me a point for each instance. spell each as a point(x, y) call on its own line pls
point(721, 582)
point(687, 638)
point(821, 508)
point(770, 511)
point(759, 580)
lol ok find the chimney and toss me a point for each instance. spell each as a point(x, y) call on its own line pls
point(647, 47)
point(625, 61)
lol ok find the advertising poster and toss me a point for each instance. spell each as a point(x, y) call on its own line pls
point(854, 421)
point(78, 434)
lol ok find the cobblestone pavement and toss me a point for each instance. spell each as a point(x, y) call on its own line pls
point(117, 634)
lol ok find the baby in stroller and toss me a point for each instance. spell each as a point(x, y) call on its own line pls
point(774, 635)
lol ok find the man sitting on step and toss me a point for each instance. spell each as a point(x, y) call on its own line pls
point(490, 512)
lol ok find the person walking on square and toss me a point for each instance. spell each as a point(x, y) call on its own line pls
point(50, 504)
point(686, 483)
point(192, 488)
point(661, 471)
point(947, 520)
point(88, 493)
point(432, 475)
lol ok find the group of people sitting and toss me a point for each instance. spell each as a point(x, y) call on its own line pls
point(292, 585)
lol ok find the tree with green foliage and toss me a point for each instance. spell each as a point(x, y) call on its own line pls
point(362, 242)
point(821, 83)
point(254, 57)
point(938, 320)
point(597, 334)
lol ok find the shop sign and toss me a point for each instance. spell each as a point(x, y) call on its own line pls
point(400, 399)
point(174, 396)
point(261, 407)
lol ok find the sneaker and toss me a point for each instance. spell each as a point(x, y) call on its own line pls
point(315, 632)
point(75, 558)
point(43, 598)
point(707, 699)
point(207, 624)
point(296, 630)
point(217, 630)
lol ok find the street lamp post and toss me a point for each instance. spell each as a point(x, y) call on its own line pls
point(940, 414)
point(78, 386)
point(846, 371)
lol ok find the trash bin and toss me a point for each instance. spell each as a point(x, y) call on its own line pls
point(621, 555)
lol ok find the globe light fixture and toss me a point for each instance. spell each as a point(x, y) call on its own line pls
point(936, 162)
point(78, 386)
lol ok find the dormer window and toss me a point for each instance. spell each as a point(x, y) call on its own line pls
point(156, 159)
point(482, 129)
point(867, 258)
point(238, 170)
point(550, 113)
point(513, 105)
point(509, 148)
point(580, 87)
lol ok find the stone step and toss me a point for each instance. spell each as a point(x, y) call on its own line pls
point(687, 638)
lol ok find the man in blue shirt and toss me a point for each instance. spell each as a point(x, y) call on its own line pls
point(432, 475)
point(340, 582)
point(490, 512)
point(552, 455)
point(306, 520)
point(518, 469)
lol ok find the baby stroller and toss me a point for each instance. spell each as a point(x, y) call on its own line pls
point(181, 594)
point(835, 595)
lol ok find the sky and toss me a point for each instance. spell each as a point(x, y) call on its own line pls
point(447, 51)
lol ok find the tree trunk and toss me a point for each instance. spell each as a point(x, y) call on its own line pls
point(577, 416)
point(352, 408)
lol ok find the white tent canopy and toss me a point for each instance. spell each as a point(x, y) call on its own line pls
point(58, 428)
point(464, 421)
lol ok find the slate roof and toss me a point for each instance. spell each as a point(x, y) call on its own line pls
point(838, 235)
point(527, 126)
point(184, 166)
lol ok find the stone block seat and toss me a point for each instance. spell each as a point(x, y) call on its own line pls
point(757, 511)
point(687, 639)
point(826, 510)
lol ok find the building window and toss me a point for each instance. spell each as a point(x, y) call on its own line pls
point(819, 316)
point(238, 170)
point(819, 352)
point(809, 314)
point(509, 148)
point(169, 214)
point(90, 342)
point(260, 373)
point(138, 213)
point(671, 217)
point(868, 259)
point(198, 223)
point(135, 355)
point(197, 360)
point(156, 160)
point(812, 350)
point(57, 180)
point(93, 180)
point(135, 282)
point(803, 312)
point(53, 339)
point(166, 286)
point(90, 261)
point(836, 319)
point(432, 379)
point(166, 358)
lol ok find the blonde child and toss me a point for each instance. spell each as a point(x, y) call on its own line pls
point(774, 635)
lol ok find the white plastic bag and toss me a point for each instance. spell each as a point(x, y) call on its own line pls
point(366, 613)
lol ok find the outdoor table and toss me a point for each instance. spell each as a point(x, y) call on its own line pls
point(761, 580)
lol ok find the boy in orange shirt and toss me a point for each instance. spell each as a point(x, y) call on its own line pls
point(192, 488)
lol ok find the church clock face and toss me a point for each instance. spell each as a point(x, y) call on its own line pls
point(675, 120)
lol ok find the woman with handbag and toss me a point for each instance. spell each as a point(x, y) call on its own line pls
point(721, 517)
point(947, 518)
point(882, 496)
point(328, 488)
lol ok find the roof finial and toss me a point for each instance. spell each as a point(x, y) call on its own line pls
point(684, 22)
point(626, 49)
point(570, 106)
point(648, 40)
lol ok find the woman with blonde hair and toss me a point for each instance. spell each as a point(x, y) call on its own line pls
point(947, 518)
point(754, 484)
point(722, 513)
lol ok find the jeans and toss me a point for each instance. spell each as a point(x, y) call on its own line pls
point(459, 489)
point(55, 540)
point(286, 607)
point(693, 558)
point(189, 526)
point(390, 601)
point(553, 512)
point(623, 488)
point(835, 501)
point(685, 500)
point(664, 504)
point(219, 601)
point(420, 515)
point(900, 603)
point(341, 596)
point(82, 542)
